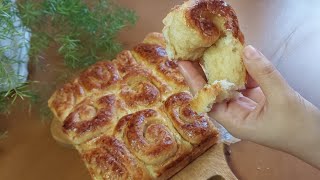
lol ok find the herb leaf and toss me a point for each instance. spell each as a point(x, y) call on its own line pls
point(84, 33)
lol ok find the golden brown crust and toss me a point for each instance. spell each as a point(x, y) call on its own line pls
point(58, 134)
point(200, 15)
point(155, 56)
point(92, 117)
point(193, 127)
point(140, 89)
point(155, 38)
point(108, 158)
point(100, 76)
point(153, 53)
point(153, 140)
point(65, 98)
point(147, 136)
point(196, 25)
point(125, 62)
point(114, 115)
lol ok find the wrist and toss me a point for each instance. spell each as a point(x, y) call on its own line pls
point(305, 143)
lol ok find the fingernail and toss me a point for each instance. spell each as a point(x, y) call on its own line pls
point(251, 53)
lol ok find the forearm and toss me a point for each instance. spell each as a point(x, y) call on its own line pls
point(306, 143)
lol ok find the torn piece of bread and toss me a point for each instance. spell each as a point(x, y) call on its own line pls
point(214, 93)
point(184, 40)
point(208, 30)
point(223, 61)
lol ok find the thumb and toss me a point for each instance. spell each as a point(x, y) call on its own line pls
point(263, 72)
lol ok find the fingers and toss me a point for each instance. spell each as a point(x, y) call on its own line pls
point(263, 72)
point(192, 74)
point(232, 114)
point(254, 94)
point(251, 83)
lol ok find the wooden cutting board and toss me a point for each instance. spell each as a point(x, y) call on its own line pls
point(210, 165)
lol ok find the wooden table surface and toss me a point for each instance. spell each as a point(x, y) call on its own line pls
point(286, 31)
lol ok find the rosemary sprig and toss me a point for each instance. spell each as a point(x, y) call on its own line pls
point(12, 84)
point(8, 98)
point(84, 34)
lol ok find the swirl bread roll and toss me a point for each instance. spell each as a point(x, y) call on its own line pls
point(92, 117)
point(153, 55)
point(192, 127)
point(130, 118)
point(208, 31)
point(140, 89)
point(108, 158)
point(64, 99)
point(153, 140)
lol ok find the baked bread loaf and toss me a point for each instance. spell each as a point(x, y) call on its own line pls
point(130, 118)
point(208, 31)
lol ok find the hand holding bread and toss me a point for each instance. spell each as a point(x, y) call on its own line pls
point(269, 112)
point(208, 31)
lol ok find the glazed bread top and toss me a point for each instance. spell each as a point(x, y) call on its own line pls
point(131, 118)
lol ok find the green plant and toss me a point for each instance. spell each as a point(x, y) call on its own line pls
point(12, 84)
point(84, 33)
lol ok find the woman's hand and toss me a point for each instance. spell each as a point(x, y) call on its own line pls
point(270, 112)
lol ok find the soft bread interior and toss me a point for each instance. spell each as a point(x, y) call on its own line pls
point(210, 94)
point(225, 72)
point(208, 31)
point(182, 41)
point(224, 68)
point(223, 61)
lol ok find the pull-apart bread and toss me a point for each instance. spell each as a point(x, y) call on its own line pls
point(130, 118)
point(134, 117)
point(208, 31)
